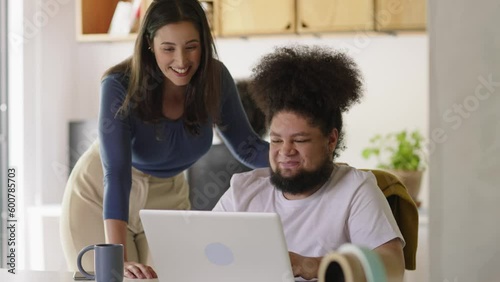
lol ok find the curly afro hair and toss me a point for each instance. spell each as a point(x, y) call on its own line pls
point(315, 82)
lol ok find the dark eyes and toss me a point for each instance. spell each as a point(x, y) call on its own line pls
point(190, 48)
point(295, 141)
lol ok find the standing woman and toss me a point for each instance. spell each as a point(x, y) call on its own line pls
point(156, 119)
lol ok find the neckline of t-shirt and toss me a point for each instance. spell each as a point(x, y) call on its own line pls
point(169, 120)
point(301, 202)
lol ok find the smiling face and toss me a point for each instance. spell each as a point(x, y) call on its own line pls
point(177, 50)
point(299, 151)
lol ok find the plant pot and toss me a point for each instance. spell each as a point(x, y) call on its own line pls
point(412, 181)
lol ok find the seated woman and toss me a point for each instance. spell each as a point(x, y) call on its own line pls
point(303, 92)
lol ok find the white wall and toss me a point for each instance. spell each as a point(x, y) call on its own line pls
point(464, 172)
point(61, 83)
point(395, 69)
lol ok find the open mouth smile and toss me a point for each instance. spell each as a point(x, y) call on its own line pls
point(180, 71)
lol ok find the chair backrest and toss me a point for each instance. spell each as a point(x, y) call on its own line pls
point(209, 177)
point(405, 212)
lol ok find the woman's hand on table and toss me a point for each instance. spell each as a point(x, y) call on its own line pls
point(134, 270)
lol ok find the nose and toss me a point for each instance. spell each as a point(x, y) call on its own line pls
point(181, 57)
point(287, 149)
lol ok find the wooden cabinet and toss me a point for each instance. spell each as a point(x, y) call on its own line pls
point(400, 15)
point(212, 10)
point(334, 15)
point(93, 18)
point(250, 17)
point(254, 17)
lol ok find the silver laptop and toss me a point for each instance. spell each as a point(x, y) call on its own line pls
point(205, 246)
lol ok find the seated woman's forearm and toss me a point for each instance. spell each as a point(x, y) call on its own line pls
point(305, 267)
point(392, 257)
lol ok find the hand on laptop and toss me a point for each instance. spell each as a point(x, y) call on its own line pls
point(137, 270)
point(305, 267)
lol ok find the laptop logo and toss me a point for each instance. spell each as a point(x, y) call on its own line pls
point(219, 254)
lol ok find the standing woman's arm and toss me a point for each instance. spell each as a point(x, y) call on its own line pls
point(235, 129)
point(116, 157)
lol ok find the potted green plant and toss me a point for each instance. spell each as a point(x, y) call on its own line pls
point(400, 153)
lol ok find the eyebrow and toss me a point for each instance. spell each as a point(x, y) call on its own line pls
point(293, 135)
point(171, 43)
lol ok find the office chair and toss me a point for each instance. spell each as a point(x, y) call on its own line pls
point(404, 210)
point(209, 177)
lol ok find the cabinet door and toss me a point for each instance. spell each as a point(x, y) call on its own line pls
point(247, 17)
point(207, 5)
point(95, 15)
point(93, 19)
point(334, 15)
point(211, 10)
point(400, 14)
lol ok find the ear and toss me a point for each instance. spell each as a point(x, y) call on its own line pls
point(149, 41)
point(333, 138)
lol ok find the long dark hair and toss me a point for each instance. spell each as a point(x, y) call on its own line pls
point(144, 95)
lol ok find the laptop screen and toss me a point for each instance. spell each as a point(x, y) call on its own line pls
point(217, 246)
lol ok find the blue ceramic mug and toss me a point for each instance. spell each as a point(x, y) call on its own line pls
point(108, 262)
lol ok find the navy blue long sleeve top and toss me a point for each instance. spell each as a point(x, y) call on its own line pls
point(165, 149)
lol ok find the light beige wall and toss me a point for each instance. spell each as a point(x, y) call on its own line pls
point(464, 107)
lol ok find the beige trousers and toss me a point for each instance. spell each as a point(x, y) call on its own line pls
point(82, 222)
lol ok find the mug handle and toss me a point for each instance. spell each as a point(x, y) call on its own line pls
point(79, 262)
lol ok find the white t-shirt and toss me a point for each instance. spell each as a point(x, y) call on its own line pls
point(348, 208)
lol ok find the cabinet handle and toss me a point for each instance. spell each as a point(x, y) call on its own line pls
point(304, 25)
point(289, 26)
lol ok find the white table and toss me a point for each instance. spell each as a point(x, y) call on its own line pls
point(47, 276)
